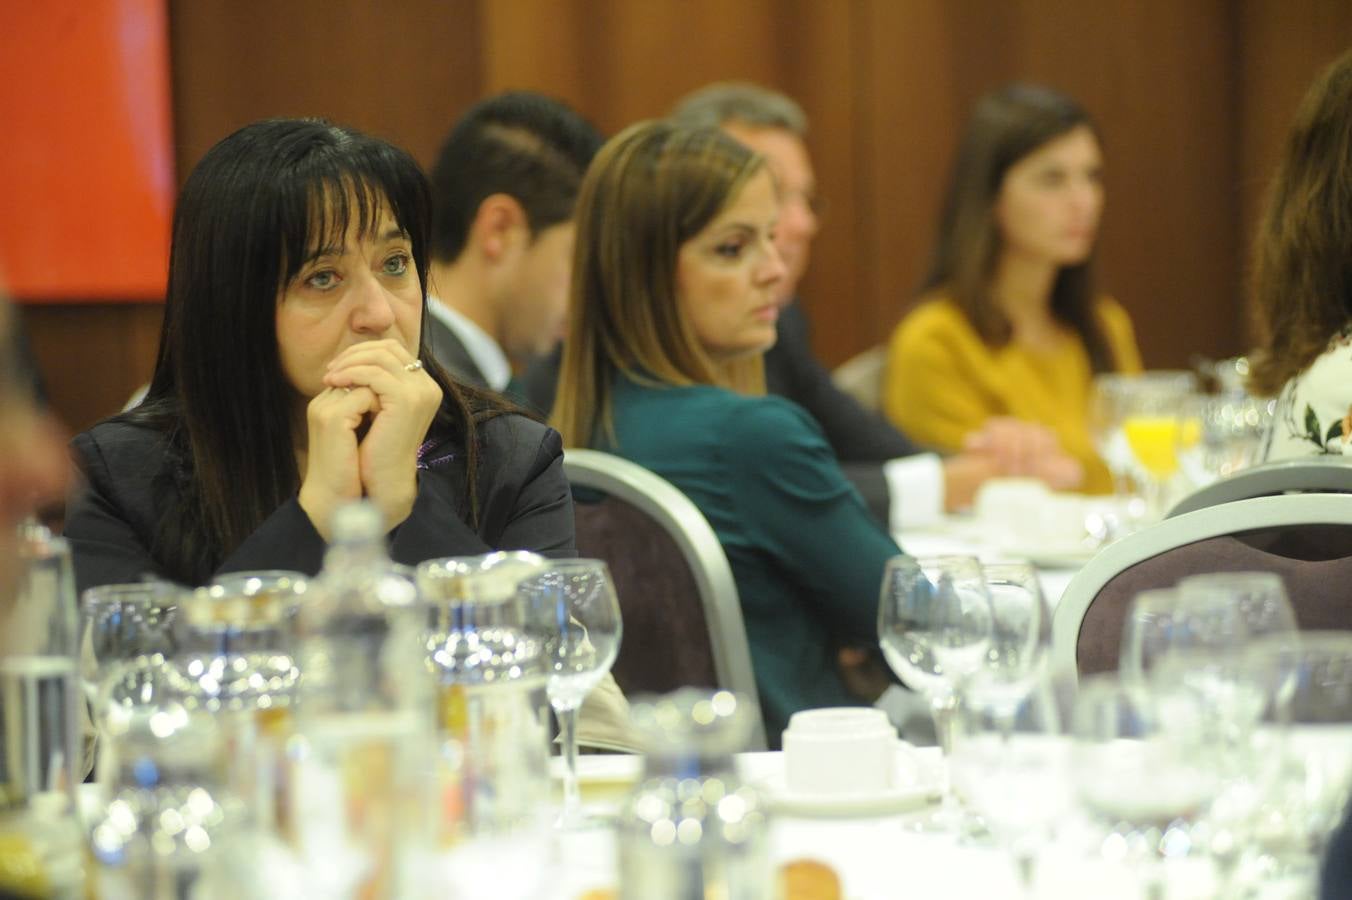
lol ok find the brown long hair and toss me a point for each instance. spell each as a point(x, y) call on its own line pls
point(1302, 276)
point(1006, 126)
point(652, 187)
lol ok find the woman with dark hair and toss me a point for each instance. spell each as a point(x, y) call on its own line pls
point(292, 377)
point(1009, 322)
point(1302, 277)
point(674, 300)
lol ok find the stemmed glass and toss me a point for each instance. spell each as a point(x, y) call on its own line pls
point(1304, 748)
point(1166, 621)
point(1259, 598)
point(1156, 432)
point(1020, 631)
point(1142, 767)
point(1011, 762)
point(574, 600)
point(120, 623)
point(934, 627)
point(1112, 398)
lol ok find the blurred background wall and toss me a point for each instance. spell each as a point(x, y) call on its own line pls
point(1193, 98)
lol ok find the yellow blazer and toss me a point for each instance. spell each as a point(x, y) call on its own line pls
point(943, 381)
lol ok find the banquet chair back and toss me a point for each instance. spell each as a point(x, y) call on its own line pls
point(1323, 474)
point(1304, 538)
point(682, 616)
point(861, 376)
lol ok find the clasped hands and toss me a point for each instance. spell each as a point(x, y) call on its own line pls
point(364, 431)
point(1006, 447)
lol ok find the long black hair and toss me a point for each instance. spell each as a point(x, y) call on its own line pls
point(246, 220)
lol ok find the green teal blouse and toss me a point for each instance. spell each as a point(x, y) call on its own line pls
point(806, 555)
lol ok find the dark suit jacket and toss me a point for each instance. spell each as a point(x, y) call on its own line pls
point(862, 440)
point(524, 504)
point(450, 352)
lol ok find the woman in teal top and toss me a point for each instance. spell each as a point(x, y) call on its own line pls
point(673, 304)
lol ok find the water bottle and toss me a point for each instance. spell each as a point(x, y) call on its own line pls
point(691, 829)
point(361, 756)
point(41, 749)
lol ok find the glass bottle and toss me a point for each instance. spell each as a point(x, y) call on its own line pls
point(360, 808)
point(41, 748)
point(691, 828)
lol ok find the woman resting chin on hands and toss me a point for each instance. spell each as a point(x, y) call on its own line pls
point(292, 377)
point(364, 430)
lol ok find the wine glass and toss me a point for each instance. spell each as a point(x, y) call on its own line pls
point(1303, 748)
point(1020, 630)
point(934, 627)
point(1158, 422)
point(1166, 621)
point(1229, 438)
point(574, 600)
point(1110, 403)
point(1141, 766)
point(1259, 598)
point(1011, 763)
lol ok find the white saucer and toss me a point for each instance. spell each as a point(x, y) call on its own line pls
point(918, 784)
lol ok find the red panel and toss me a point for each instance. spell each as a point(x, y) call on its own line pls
point(86, 172)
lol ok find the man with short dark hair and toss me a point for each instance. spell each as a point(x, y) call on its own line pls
point(503, 190)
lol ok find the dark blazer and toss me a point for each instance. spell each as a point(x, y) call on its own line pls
point(861, 439)
point(524, 504)
point(450, 352)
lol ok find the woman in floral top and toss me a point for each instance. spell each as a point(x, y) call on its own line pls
point(1303, 278)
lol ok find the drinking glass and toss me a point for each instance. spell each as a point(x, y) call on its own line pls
point(1166, 621)
point(1159, 421)
point(40, 761)
point(574, 600)
point(1111, 401)
point(1259, 598)
point(1229, 437)
point(934, 626)
point(1142, 768)
point(1011, 763)
point(1303, 747)
point(1020, 631)
point(123, 623)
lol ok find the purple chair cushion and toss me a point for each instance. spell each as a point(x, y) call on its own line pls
point(666, 636)
point(1315, 561)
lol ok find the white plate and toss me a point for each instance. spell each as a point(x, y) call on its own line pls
point(919, 783)
point(1052, 556)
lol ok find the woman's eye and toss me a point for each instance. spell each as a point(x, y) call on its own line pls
point(323, 280)
point(397, 264)
point(728, 251)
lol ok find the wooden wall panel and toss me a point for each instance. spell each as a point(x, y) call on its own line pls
point(1192, 98)
point(399, 70)
point(92, 356)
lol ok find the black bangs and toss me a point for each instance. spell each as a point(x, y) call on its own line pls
point(340, 181)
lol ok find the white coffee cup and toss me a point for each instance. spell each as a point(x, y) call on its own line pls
point(840, 750)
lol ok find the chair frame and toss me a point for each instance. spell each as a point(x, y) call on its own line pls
point(664, 503)
point(1322, 474)
point(1235, 517)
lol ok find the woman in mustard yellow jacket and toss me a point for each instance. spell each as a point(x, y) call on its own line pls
point(1009, 323)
